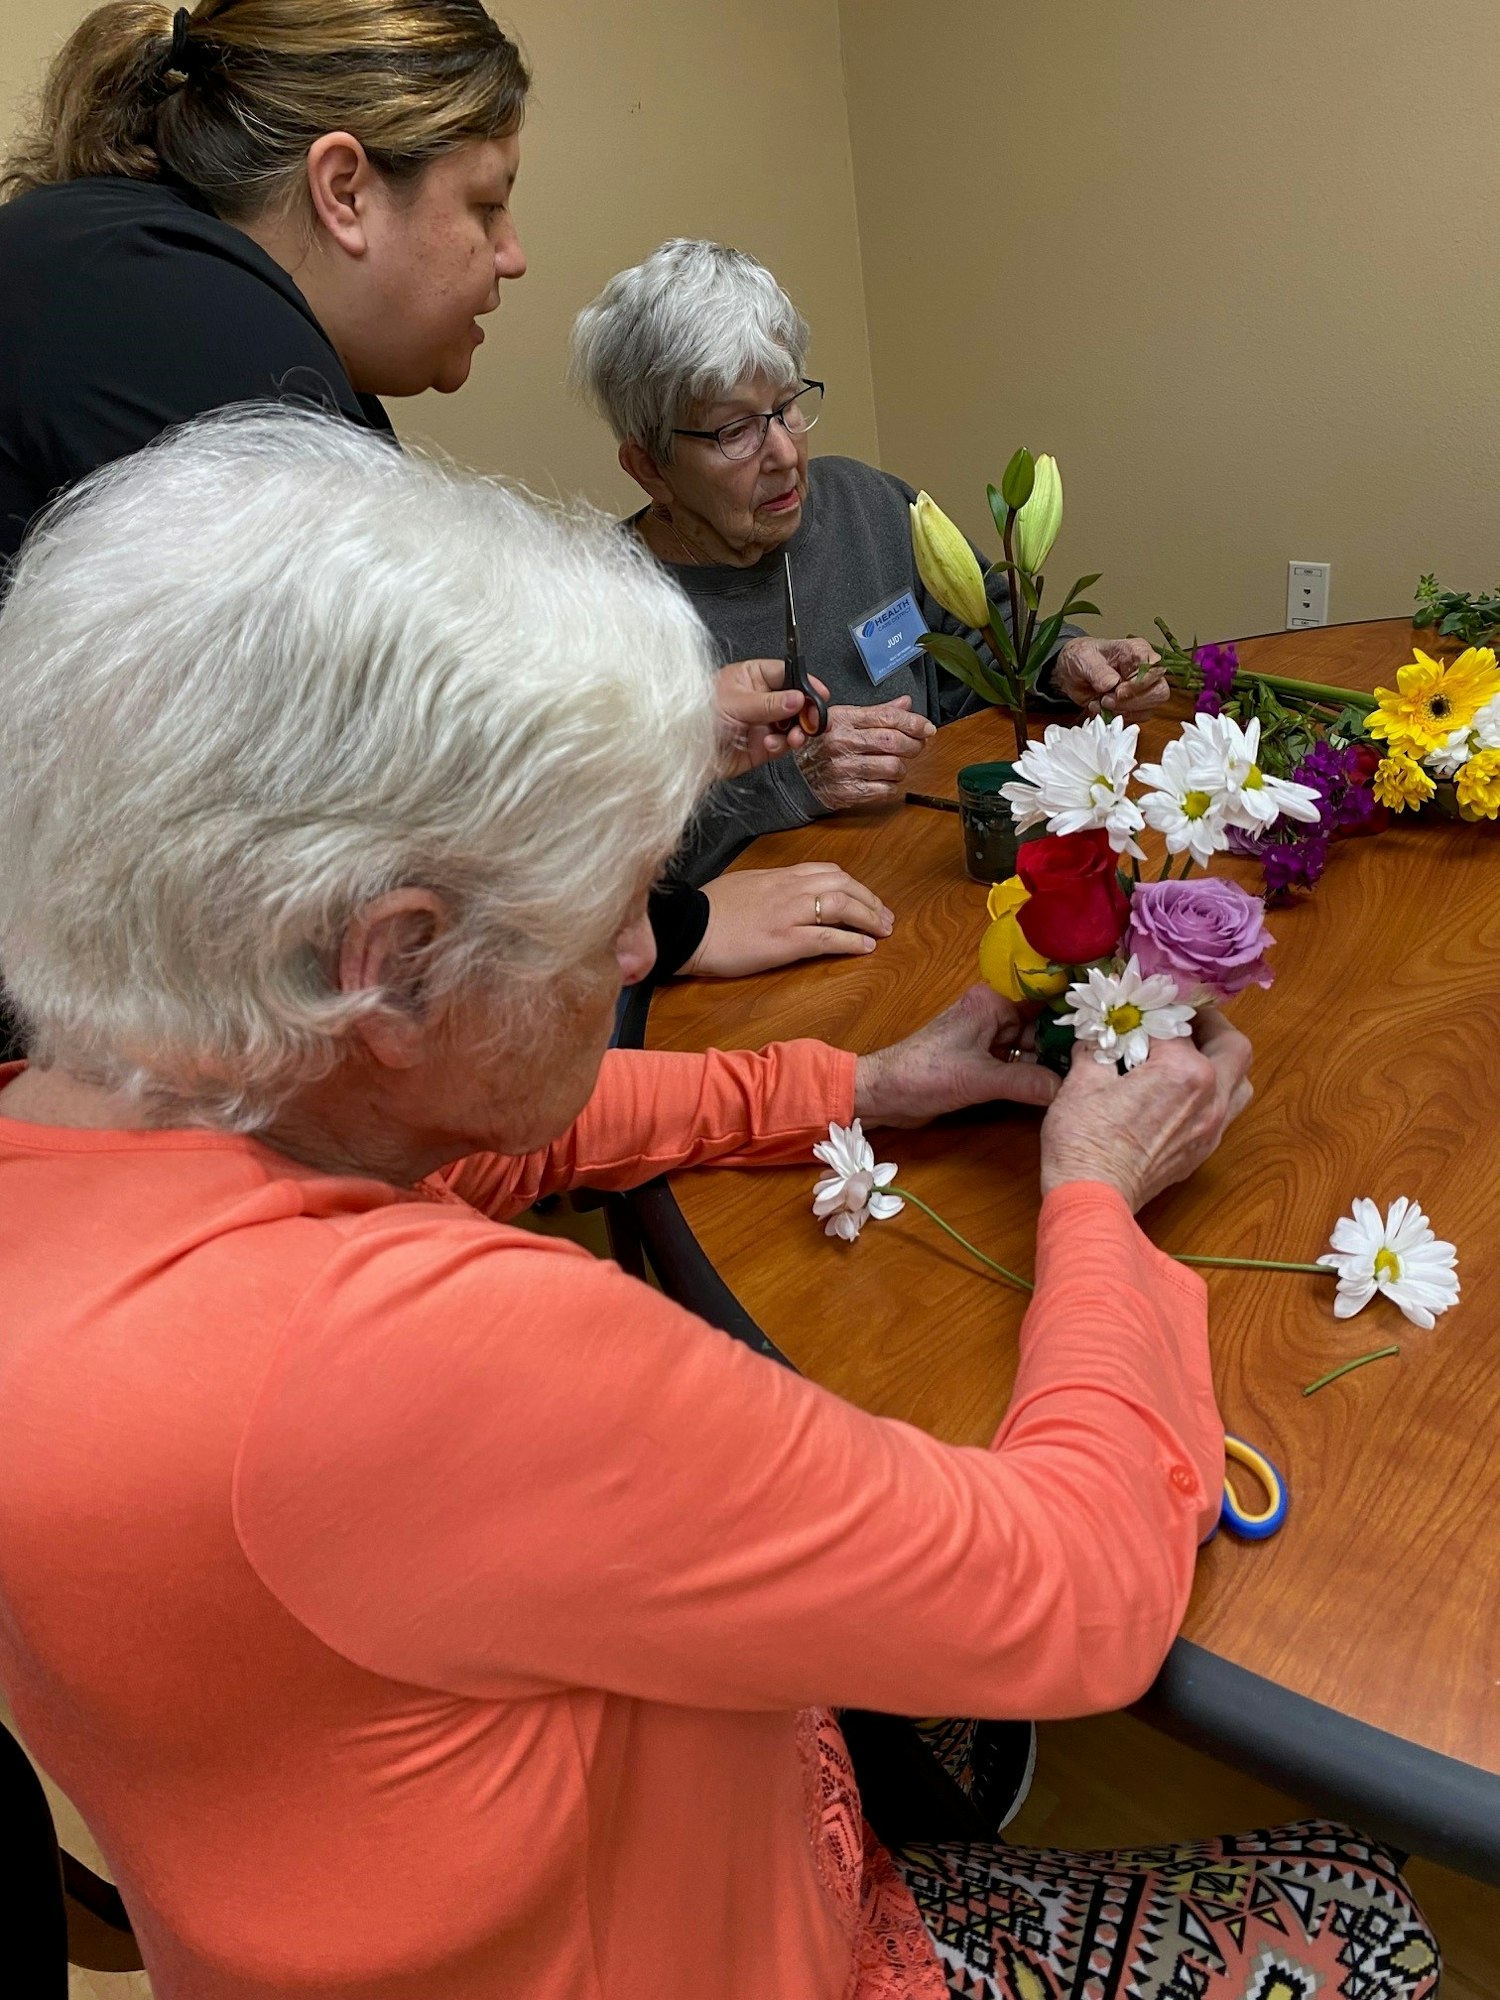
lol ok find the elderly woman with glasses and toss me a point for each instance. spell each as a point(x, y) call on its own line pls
point(413, 1605)
point(697, 360)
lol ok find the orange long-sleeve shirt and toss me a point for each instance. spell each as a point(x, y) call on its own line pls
point(419, 1609)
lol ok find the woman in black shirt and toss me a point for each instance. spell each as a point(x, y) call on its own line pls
point(260, 199)
point(265, 199)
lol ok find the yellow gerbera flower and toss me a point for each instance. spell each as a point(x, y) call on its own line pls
point(1401, 783)
point(1478, 786)
point(1430, 700)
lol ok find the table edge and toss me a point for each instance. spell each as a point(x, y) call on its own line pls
point(1413, 1798)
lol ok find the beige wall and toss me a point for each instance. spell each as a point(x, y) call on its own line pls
point(647, 121)
point(1246, 284)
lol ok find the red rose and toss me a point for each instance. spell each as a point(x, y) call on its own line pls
point(1077, 910)
point(1367, 758)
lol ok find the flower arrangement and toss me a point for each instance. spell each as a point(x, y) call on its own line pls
point(1027, 507)
point(1116, 962)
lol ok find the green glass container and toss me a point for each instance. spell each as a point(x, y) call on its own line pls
point(990, 837)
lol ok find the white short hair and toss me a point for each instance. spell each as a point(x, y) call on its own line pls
point(679, 331)
point(269, 669)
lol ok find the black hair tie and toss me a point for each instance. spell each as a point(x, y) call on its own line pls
point(177, 55)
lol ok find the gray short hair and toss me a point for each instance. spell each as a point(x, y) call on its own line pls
point(269, 669)
point(678, 332)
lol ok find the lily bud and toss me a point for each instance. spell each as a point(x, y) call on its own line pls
point(1039, 520)
point(946, 563)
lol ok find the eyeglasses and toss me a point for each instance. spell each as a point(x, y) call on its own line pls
point(744, 437)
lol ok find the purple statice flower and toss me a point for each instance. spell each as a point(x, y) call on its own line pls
point(1293, 864)
point(1344, 798)
point(1208, 704)
point(1218, 666)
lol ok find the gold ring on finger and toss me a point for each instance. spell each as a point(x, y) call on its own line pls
point(817, 909)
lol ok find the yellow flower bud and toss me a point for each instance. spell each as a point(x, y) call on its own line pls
point(946, 563)
point(1007, 962)
point(1039, 520)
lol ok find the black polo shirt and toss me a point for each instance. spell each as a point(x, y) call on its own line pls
point(125, 308)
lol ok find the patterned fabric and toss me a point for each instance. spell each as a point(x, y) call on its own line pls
point(1310, 1911)
point(890, 1946)
point(989, 1761)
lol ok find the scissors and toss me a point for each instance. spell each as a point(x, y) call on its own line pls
point(796, 677)
point(1251, 1526)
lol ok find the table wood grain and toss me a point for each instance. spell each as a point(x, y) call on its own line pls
point(1377, 1071)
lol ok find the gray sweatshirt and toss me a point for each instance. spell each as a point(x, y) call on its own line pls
point(851, 555)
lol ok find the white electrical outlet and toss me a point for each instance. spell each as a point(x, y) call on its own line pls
point(1306, 594)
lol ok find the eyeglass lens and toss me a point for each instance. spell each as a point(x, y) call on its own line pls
point(745, 437)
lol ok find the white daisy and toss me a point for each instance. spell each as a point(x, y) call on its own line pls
point(1397, 1255)
point(1120, 1014)
point(1483, 733)
point(1223, 757)
point(1180, 804)
point(1079, 777)
point(845, 1200)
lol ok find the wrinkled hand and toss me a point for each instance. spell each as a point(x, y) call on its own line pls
point(1111, 676)
point(1155, 1125)
point(762, 917)
point(951, 1064)
point(860, 759)
point(762, 718)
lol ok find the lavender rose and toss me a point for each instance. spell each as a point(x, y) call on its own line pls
point(1209, 935)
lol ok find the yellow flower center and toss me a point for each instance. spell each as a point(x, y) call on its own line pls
point(1387, 1265)
point(1124, 1018)
point(1253, 779)
point(1195, 804)
point(1100, 779)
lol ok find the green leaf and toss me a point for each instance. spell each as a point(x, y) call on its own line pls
point(1000, 638)
point(998, 508)
point(1082, 606)
point(1020, 477)
point(1029, 591)
point(1084, 582)
point(960, 659)
point(1043, 639)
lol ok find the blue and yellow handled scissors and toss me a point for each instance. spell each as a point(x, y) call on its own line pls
point(1240, 1520)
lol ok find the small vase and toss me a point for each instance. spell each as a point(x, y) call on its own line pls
point(990, 836)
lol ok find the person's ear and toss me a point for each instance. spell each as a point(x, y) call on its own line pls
point(638, 463)
point(386, 947)
point(340, 183)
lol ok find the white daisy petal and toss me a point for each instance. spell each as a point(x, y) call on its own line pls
point(845, 1199)
point(884, 1206)
point(1396, 1255)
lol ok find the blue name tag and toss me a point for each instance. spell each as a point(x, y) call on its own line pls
point(887, 638)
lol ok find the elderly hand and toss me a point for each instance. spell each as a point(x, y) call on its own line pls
point(971, 1053)
point(763, 917)
point(860, 759)
point(1155, 1125)
point(763, 718)
point(1111, 676)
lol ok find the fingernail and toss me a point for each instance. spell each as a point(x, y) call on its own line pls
point(869, 944)
point(791, 702)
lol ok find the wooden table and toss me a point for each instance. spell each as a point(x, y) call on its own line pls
point(1354, 1658)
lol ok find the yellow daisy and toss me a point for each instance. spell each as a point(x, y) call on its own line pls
point(1401, 783)
point(1430, 700)
point(1478, 786)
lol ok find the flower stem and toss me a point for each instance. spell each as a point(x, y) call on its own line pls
point(1376, 1354)
point(1252, 1264)
point(1022, 1284)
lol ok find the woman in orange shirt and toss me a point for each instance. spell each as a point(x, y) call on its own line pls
point(416, 1608)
